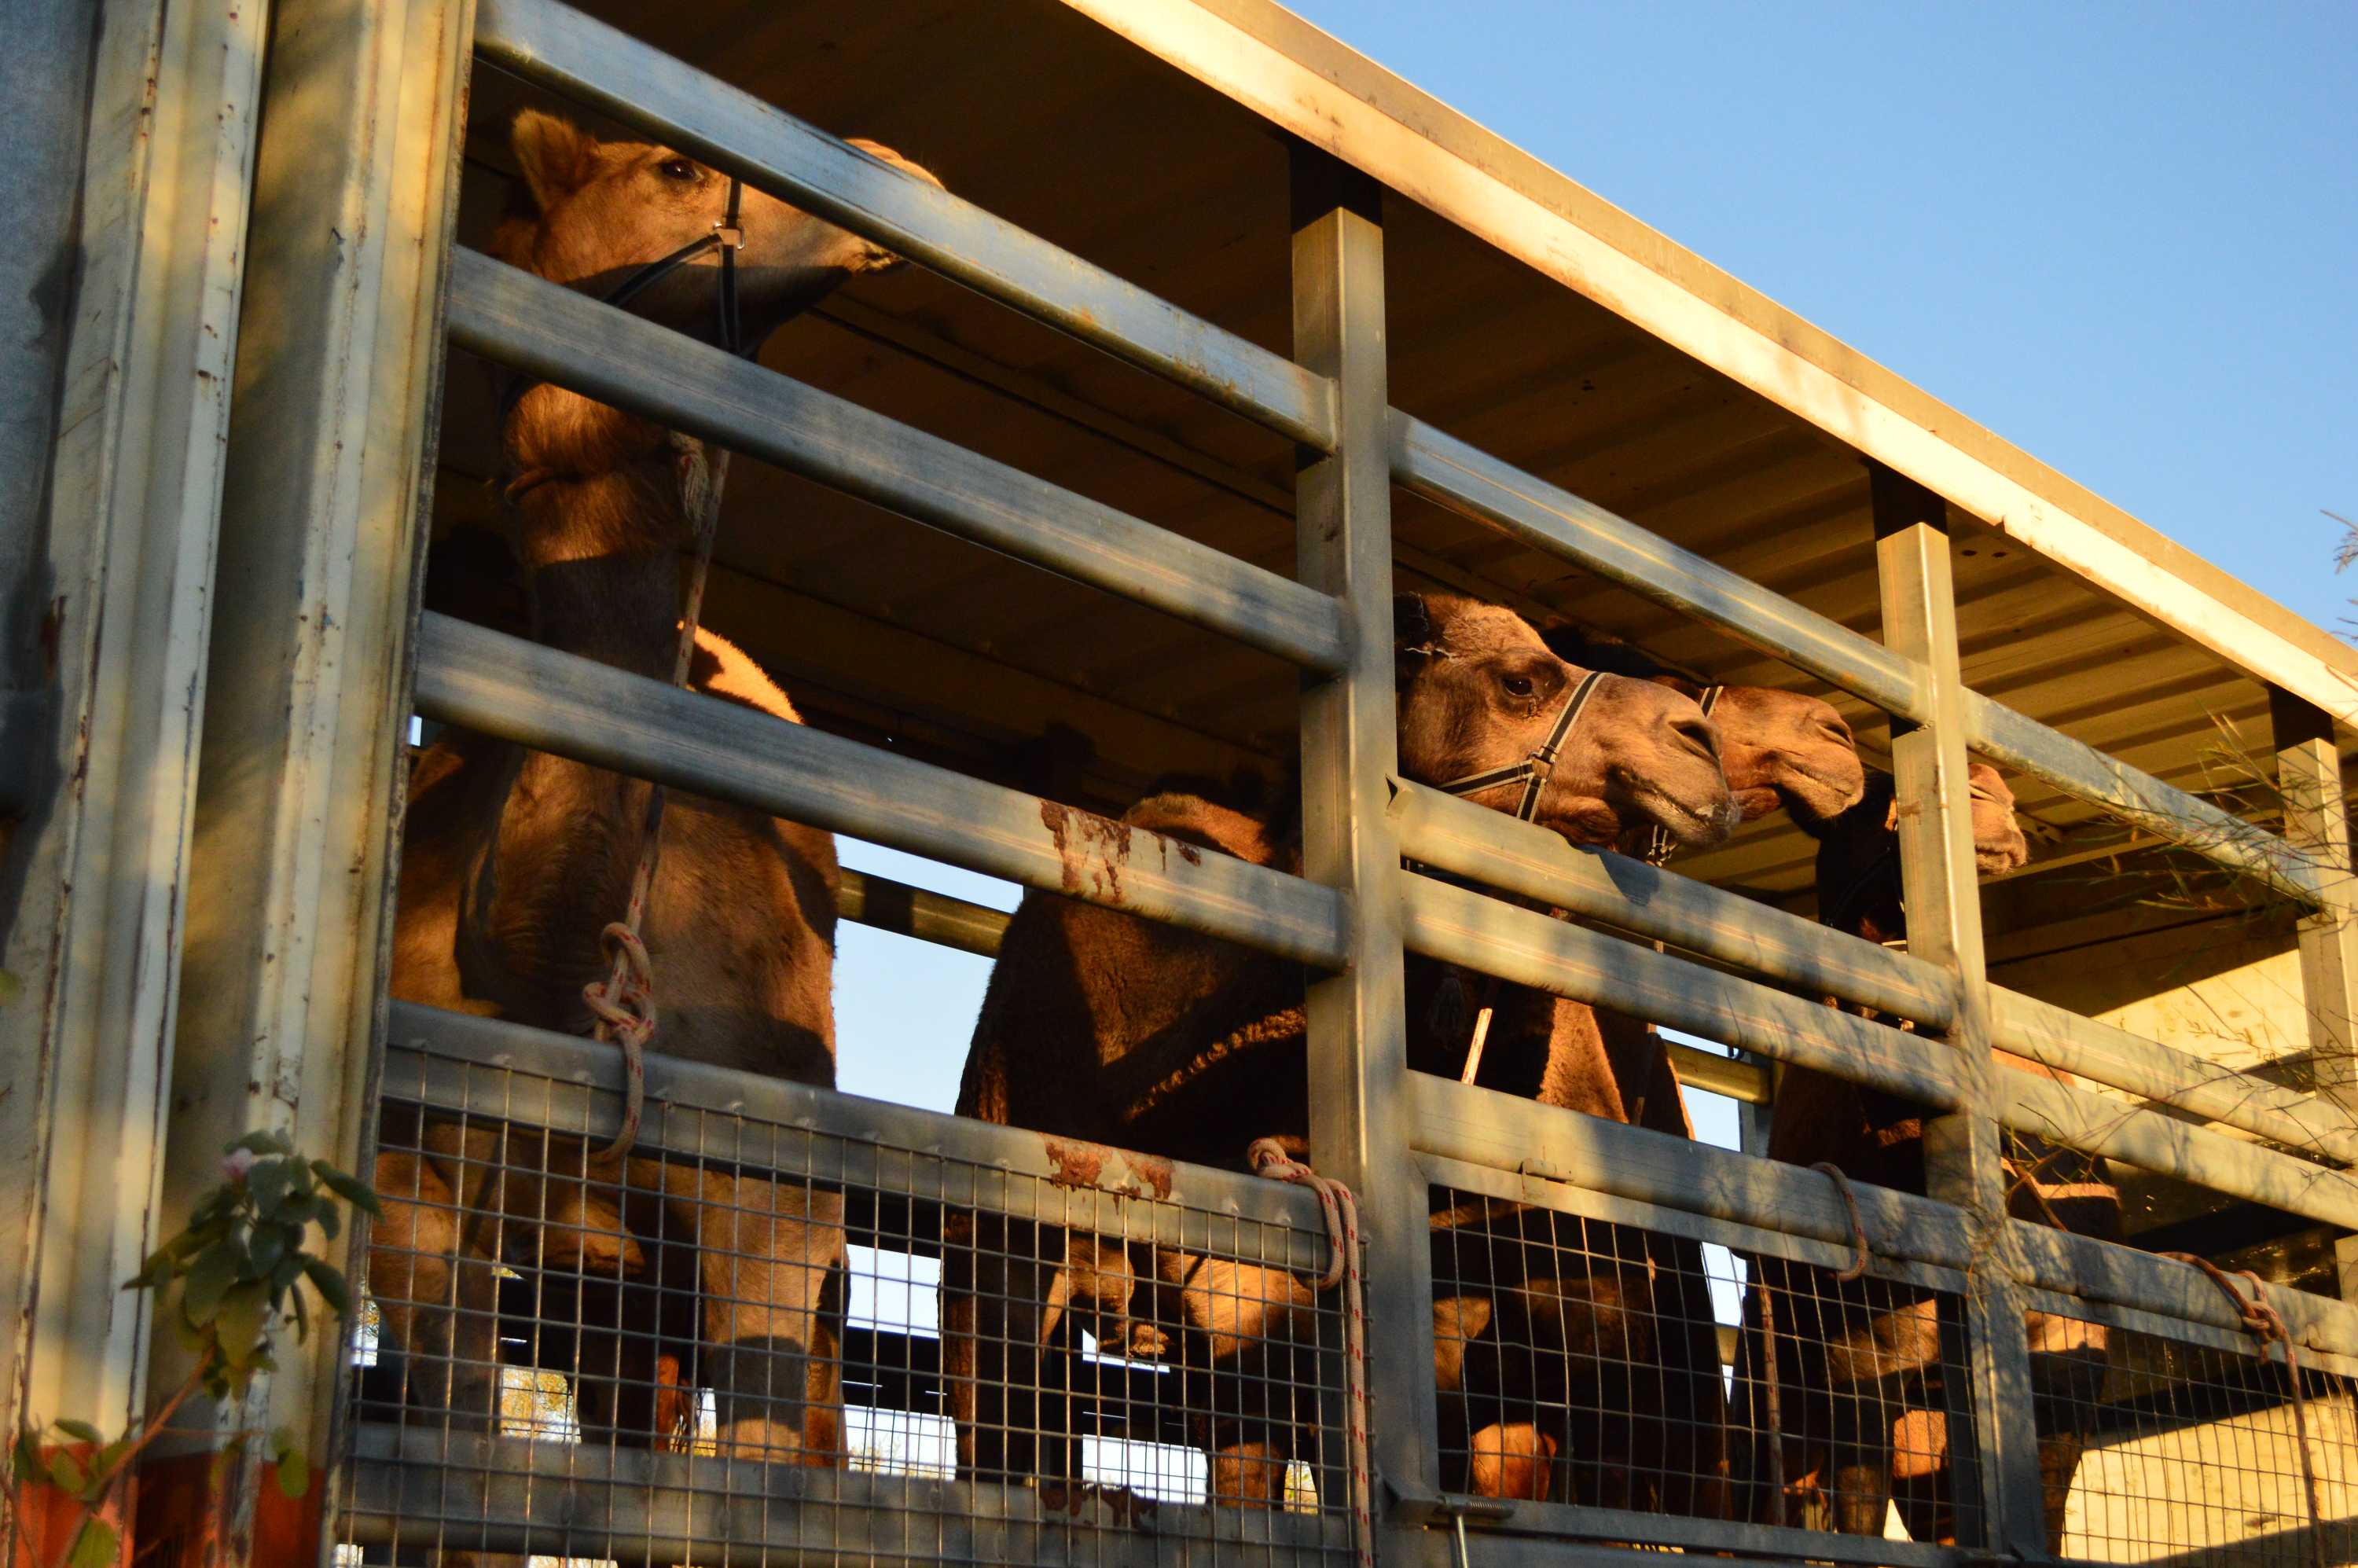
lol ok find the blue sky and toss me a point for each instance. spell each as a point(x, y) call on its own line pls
point(2122, 238)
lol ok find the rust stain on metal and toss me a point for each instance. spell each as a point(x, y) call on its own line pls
point(1092, 850)
point(1096, 1168)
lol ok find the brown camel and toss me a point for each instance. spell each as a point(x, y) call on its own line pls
point(515, 860)
point(1861, 1390)
point(1106, 1027)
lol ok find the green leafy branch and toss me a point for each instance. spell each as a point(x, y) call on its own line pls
point(239, 1266)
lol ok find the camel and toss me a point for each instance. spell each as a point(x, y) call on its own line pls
point(1860, 1396)
point(1102, 1026)
point(515, 860)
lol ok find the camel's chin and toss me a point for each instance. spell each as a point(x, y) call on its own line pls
point(1691, 825)
point(1998, 862)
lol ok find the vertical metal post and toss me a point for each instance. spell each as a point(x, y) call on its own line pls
point(1358, 1054)
point(2317, 823)
point(305, 759)
point(1964, 1151)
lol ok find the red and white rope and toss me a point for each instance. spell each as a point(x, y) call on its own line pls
point(624, 1003)
point(1268, 1158)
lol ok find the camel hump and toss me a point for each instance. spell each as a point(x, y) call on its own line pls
point(1198, 821)
point(721, 668)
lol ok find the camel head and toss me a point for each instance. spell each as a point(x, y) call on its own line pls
point(1479, 690)
point(604, 209)
point(1777, 748)
point(1998, 843)
point(1783, 747)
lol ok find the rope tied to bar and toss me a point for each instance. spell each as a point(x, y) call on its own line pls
point(2260, 1319)
point(1861, 1251)
point(1268, 1158)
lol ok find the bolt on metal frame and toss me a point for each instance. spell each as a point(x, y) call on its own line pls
point(1355, 910)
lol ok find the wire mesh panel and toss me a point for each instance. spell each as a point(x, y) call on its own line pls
point(758, 1338)
point(2192, 1447)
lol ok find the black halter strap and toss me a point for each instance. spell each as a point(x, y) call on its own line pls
point(727, 237)
point(1532, 771)
point(1659, 845)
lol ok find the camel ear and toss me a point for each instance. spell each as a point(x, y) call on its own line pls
point(1412, 636)
point(558, 156)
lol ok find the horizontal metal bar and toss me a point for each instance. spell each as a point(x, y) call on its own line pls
point(1459, 926)
point(537, 327)
point(1570, 1197)
point(2142, 801)
point(1468, 479)
point(867, 898)
point(1492, 848)
point(690, 111)
point(1436, 1547)
point(1481, 1126)
point(2132, 1320)
point(1744, 1082)
point(2154, 1141)
point(558, 702)
point(2118, 1059)
point(1553, 1521)
point(423, 1488)
point(2083, 1268)
point(463, 1064)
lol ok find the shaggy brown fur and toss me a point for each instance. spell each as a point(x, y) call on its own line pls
point(1861, 1390)
point(515, 860)
point(1103, 1026)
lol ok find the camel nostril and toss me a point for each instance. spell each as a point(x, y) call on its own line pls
point(1699, 735)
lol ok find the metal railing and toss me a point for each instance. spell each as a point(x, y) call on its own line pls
point(1742, 975)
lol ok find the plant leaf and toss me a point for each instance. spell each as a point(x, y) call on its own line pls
point(82, 1431)
point(209, 1278)
point(269, 1245)
point(331, 1286)
point(350, 1188)
point(269, 1184)
point(239, 1323)
point(294, 1466)
point(66, 1473)
point(261, 1141)
point(94, 1545)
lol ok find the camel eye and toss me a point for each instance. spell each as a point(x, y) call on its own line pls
point(680, 169)
point(1516, 685)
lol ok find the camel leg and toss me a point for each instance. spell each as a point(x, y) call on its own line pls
point(773, 1266)
point(431, 1273)
point(1007, 1378)
point(1512, 1459)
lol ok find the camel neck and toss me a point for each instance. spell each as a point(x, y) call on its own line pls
point(599, 520)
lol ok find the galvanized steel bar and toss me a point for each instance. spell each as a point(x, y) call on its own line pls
point(689, 110)
point(494, 1071)
point(1490, 846)
point(2083, 1268)
point(1482, 933)
point(1468, 479)
point(2153, 1141)
point(1483, 1127)
point(1744, 1082)
point(418, 1489)
point(535, 326)
point(2317, 829)
point(883, 905)
point(2140, 799)
point(576, 708)
point(2040, 1031)
point(1993, 1443)
point(1357, 1039)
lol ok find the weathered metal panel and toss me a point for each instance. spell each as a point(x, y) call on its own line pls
point(1495, 938)
point(1458, 837)
point(535, 326)
point(558, 702)
point(561, 48)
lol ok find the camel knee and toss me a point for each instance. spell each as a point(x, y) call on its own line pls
point(1250, 1475)
point(1512, 1459)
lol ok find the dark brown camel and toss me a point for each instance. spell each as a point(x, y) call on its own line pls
point(1861, 1392)
point(515, 860)
point(1106, 1027)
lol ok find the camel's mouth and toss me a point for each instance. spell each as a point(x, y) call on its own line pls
point(1807, 795)
point(1694, 825)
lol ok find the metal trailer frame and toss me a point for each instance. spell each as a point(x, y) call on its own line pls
point(312, 663)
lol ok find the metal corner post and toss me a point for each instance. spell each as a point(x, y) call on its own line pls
point(1358, 1061)
point(1964, 1152)
point(329, 448)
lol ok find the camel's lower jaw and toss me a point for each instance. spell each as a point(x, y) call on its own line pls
point(1693, 826)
